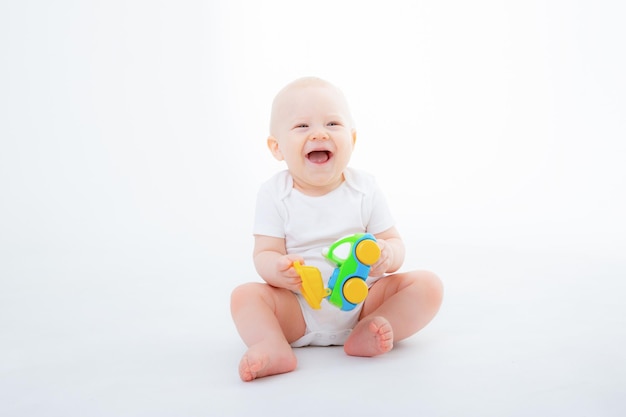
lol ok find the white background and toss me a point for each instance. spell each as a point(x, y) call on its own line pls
point(133, 142)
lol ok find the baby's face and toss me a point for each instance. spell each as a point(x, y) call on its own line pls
point(312, 132)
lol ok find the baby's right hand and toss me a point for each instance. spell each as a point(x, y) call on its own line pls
point(286, 275)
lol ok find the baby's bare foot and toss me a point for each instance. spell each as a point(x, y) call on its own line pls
point(372, 336)
point(266, 358)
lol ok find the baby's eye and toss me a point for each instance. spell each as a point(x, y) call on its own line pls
point(301, 125)
point(334, 124)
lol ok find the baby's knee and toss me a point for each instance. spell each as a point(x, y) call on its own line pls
point(252, 292)
point(243, 292)
point(431, 284)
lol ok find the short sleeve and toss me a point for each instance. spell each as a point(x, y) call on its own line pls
point(268, 216)
point(380, 217)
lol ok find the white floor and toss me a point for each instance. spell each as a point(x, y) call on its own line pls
point(520, 333)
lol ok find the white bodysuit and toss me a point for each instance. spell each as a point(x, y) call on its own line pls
point(310, 224)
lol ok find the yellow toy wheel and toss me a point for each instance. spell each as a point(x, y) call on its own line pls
point(367, 252)
point(355, 290)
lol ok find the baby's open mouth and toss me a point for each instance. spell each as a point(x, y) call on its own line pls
point(319, 157)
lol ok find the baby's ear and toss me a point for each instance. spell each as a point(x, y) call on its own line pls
point(353, 137)
point(272, 144)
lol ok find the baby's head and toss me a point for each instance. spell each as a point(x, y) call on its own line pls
point(311, 129)
point(289, 95)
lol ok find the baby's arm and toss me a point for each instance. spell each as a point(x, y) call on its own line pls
point(391, 253)
point(274, 265)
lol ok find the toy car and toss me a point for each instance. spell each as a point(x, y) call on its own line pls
point(353, 255)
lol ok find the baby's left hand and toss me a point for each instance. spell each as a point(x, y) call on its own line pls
point(384, 262)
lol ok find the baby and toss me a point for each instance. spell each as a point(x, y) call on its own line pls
point(304, 209)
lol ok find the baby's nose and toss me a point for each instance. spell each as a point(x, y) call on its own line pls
point(319, 134)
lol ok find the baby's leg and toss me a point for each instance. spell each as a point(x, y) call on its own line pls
point(267, 319)
point(396, 307)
